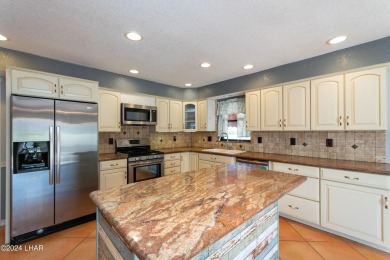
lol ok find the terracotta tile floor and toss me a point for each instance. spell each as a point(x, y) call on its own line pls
point(297, 241)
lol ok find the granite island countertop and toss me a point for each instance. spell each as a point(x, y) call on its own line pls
point(182, 214)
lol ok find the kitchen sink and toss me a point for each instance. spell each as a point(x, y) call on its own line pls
point(216, 150)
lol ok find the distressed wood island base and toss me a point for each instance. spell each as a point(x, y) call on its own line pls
point(227, 212)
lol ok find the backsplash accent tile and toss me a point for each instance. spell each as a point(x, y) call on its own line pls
point(371, 145)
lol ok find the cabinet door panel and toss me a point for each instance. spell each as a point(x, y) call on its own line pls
point(109, 111)
point(162, 115)
point(271, 109)
point(327, 103)
point(78, 90)
point(202, 115)
point(252, 103)
point(185, 162)
point(366, 100)
point(34, 84)
point(296, 106)
point(176, 115)
point(356, 211)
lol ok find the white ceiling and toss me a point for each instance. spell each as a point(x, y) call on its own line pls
point(181, 34)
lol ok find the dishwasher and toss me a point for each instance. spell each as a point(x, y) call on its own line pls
point(253, 163)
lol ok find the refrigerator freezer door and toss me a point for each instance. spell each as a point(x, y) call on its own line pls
point(77, 176)
point(32, 195)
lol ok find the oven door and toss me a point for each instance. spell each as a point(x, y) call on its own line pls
point(142, 171)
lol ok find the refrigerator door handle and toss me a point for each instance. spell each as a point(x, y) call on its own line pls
point(51, 165)
point(58, 150)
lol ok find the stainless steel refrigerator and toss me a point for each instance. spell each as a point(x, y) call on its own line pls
point(54, 162)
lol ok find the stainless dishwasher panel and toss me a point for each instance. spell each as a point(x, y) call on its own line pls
point(253, 163)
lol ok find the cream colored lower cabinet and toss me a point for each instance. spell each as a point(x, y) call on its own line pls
point(212, 160)
point(194, 158)
point(172, 163)
point(350, 206)
point(112, 174)
point(185, 162)
point(304, 201)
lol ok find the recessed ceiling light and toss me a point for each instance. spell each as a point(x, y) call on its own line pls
point(205, 65)
point(248, 67)
point(3, 38)
point(337, 39)
point(188, 84)
point(134, 36)
point(134, 71)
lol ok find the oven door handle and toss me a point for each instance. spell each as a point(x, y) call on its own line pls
point(137, 164)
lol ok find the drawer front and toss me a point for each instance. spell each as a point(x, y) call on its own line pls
point(357, 178)
point(217, 158)
point(171, 171)
point(172, 156)
point(296, 169)
point(113, 164)
point(171, 163)
point(300, 208)
point(310, 189)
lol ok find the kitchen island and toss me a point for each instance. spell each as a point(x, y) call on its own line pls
point(228, 211)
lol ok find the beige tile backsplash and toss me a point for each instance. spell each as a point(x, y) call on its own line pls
point(370, 144)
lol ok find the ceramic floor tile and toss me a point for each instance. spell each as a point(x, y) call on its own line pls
point(286, 232)
point(56, 248)
point(85, 250)
point(93, 234)
point(297, 250)
point(313, 234)
point(83, 230)
point(369, 252)
point(336, 250)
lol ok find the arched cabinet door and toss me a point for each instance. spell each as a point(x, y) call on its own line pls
point(272, 109)
point(296, 106)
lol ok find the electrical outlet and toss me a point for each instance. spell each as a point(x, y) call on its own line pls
point(209, 138)
point(174, 138)
point(293, 141)
point(329, 142)
point(110, 140)
point(259, 140)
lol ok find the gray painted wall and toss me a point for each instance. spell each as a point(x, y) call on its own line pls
point(106, 79)
point(363, 55)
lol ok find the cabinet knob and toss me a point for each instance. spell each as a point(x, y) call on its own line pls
point(347, 120)
point(341, 120)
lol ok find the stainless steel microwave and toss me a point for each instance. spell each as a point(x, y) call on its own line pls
point(138, 114)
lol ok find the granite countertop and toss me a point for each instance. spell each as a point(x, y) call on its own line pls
point(111, 156)
point(178, 216)
point(368, 167)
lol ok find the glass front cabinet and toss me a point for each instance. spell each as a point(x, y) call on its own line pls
point(189, 120)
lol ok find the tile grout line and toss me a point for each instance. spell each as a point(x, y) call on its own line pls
point(74, 247)
point(307, 242)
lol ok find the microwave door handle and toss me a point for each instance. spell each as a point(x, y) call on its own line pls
point(58, 151)
point(51, 163)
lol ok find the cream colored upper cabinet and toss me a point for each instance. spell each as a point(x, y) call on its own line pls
point(296, 106)
point(34, 84)
point(176, 115)
point(206, 115)
point(271, 109)
point(189, 116)
point(252, 106)
point(109, 111)
point(163, 124)
point(40, 84)
point(169, 115)
point(327, 103)
point(365, 99)
point(80, 90)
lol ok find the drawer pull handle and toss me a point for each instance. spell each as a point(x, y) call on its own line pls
point(292, 169)
point(349, 178)
point(293, 207)
point(114, 164)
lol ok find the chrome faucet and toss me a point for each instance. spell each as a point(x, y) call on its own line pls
point(227, 140)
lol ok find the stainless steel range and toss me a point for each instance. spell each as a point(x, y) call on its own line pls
point(143, 163)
